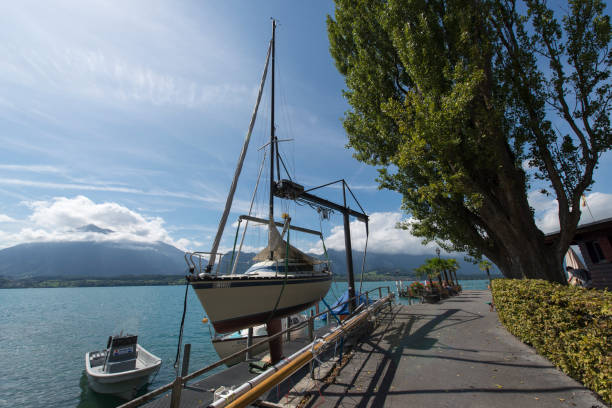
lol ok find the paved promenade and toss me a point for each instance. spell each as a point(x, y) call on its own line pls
point(452, 354)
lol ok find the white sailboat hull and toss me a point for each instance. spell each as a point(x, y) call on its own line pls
point(235, 302)
point(228, 346)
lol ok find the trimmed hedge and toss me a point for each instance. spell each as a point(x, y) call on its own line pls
point(570, 326)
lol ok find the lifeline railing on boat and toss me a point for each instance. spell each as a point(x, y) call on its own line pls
point(195, 266)
point(181, 381)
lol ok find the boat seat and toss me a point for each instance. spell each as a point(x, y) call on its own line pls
point(122, 354)
point(97, 358)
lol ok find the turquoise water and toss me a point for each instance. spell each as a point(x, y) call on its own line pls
point(45, 333)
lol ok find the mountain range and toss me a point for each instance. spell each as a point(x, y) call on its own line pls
point(106, 259)
point(100, 259)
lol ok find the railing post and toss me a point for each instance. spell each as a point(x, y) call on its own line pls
point(311, 339)
point(367, 299)
point(177, 387)
point(379, 292)
point(249, 353)
point(288, 334)
point(186, 352)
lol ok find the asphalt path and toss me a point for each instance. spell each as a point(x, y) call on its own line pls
point(452, 354)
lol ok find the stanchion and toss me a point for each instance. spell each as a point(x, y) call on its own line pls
point(249, 353)
point(177, 387)
point(186, 352)
point(311, 339)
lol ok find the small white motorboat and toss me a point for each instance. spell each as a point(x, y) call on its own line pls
point(121, 369)
point(234, 342)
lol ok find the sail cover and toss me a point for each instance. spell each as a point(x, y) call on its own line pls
point(278, 247)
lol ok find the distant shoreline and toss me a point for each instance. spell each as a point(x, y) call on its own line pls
point(69, 282)
point(157, 280)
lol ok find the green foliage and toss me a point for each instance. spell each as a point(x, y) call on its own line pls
point(570, 326)
point(451, 264)
point(451, 98)
point(484, 265)
point(430, 269)
point(65, 282)
point(433, 267)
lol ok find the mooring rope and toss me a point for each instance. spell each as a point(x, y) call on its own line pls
point(180, 341)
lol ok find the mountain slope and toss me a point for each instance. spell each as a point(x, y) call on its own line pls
point(109, 259)
point(90, 259)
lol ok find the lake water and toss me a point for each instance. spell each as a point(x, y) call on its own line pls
point(45, 333)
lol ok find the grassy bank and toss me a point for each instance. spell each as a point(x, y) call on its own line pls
point(64, 282)
point(570, 326)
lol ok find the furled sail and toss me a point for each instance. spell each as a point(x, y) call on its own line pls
point(278, 246)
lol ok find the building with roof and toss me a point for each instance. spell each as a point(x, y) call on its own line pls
point(595, 242)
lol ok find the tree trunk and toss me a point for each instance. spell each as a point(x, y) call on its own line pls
point(519, 249)
point(533, 260)
point(446, 277)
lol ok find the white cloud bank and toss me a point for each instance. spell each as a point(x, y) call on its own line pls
point(384, 237)
point(5, 218)
point(598, 206)
point(64, 219)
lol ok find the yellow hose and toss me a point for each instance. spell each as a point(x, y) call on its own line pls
point(251, 396)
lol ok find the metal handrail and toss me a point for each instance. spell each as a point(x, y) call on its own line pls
point(192, 264)
point(150, 395)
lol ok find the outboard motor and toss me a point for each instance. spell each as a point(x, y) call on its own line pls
point(122, 354)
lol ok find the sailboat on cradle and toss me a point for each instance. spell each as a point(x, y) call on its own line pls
point(283, 281)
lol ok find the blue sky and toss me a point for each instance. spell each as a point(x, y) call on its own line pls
point(131, 116)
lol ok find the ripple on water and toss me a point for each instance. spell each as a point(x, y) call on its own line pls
point(46, 333)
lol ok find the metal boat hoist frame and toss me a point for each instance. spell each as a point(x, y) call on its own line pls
point(288, 189)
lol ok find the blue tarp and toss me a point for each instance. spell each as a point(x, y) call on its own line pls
point(339, 309)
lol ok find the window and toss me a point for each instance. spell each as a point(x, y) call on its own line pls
point(595, 252)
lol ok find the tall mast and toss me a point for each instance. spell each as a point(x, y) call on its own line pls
point(272, 142)
point(272, 136)
point(245, 146)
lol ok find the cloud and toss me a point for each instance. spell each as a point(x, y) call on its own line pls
point(6, 218)
point(34, 168)
point(120, 52)
point(113, 78)
point(111, 188)
point(63, 219)
point(384, 237)
point(598, 206)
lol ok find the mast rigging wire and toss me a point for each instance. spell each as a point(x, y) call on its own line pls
point(365, 251)
point(235, 264)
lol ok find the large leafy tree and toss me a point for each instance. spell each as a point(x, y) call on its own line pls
point(454, 99)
